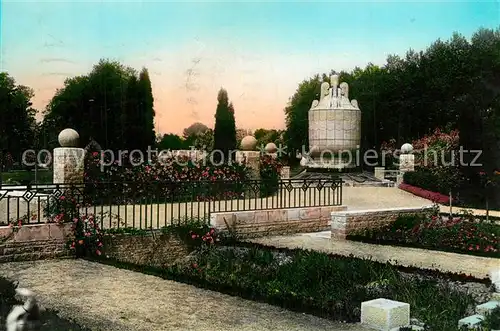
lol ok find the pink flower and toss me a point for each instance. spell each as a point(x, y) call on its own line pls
point(98, 252)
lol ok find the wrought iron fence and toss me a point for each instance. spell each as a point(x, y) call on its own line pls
point(157, 204)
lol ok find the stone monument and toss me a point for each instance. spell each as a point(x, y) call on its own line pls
point(334, 128)
point(69, 160)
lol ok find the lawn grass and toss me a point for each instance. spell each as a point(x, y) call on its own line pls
point(24, 177)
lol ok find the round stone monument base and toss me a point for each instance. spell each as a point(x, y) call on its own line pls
point(332, 164)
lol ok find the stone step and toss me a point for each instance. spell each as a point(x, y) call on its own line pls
point(10, 244)
point(35, 256)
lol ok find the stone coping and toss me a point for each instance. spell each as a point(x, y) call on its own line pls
point(381, 210)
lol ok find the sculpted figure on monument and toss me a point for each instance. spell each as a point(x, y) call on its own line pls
point(324, 90)
point(314, 104)
point(344, 88)
point(354, 103)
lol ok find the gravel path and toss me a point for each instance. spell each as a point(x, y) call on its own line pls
point(105, 298)
point(458, 263)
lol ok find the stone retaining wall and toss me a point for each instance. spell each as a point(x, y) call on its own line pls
point(259, 223)
point(34, 242)
point(345, 222)
point(155, 249)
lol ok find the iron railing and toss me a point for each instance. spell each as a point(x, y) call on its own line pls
point(157, 204)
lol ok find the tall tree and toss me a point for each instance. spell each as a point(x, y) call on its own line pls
point(17, 118)
point(225, 128)
point(147, 109)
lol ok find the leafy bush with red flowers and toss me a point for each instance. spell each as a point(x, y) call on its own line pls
point(169, 179)
point(67, 208)
point(433, 196)
point(270, 171)
point(196, 233)
point(459, 234)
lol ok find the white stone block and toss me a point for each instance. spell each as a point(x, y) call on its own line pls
point(495, 278)
point(384, 314)
point(486, 308)
point(471, 322)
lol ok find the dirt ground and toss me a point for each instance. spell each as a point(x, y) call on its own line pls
point(104, 298)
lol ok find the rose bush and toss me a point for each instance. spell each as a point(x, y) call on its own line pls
point(459, 234)
point(170, 179)
point(269, 170)
point(68, 208)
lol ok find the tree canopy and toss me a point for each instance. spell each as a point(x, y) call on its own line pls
point(112, 105)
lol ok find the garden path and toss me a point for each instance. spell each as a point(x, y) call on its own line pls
point(104, 298)
point(457, 263)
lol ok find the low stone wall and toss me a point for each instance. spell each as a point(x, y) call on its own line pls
point(259, 223)
point(346, 222)
point(34, 242)
point(155, 249)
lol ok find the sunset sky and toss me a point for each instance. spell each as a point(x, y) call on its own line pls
point(258, 51)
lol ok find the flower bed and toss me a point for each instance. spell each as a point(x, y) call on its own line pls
point(324, 285)
point(433, 196)
point(459, 235)
point(175, 179)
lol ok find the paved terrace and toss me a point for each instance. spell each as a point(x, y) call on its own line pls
point(158, 215)
point(404, 256)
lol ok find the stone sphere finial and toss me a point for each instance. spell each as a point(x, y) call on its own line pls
point(68, 138)
point(406, 148)
point(248, 143)
point(271, 148)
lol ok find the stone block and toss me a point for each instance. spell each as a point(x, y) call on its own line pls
point(279, 215)
point(243, 216)
point(309, 213)
point(293, 214)
point(59, 231)
point(495, 296)
point(31, 233)
point(261, 216)
point(5, 231)
point(383, 314)
point(472, 322)
point(494, 275)
point(487, 308)
point(379, 173)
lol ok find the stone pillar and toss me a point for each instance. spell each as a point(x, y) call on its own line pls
point(250, 155)
point(285, 172)
point(379, 173)
point(406, 159)
point(406, 162)
point(69, 160)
